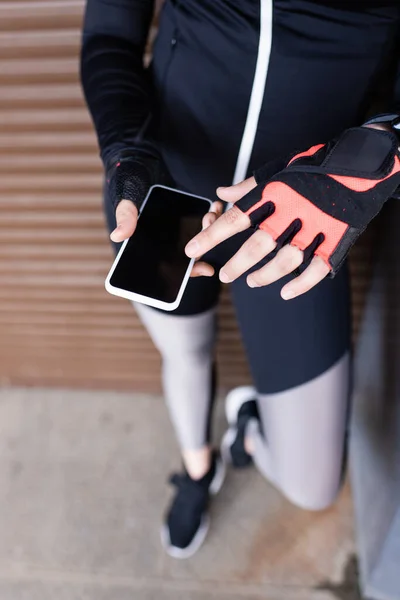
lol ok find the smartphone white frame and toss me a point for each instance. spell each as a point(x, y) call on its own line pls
point(168, 306)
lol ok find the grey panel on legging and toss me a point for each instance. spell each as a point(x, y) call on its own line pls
point(186, 345)
point(301, 448)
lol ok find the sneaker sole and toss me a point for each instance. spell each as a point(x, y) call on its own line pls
point(194, 546)
point(233, 402)
point(219, 477)
point(201, 533)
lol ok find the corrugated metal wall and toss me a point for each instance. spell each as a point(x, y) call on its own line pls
point(58, 325)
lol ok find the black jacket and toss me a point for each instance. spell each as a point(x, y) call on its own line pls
point(317, 58)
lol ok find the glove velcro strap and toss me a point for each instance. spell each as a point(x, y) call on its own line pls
point(370, 153)
point(361, 152)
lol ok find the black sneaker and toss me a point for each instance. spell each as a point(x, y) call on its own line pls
point(187, 521)
point(240, 407)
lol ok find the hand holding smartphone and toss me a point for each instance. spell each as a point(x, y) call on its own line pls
point(152, 267)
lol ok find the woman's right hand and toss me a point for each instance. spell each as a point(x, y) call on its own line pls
point(134, 181)
point(126, 215)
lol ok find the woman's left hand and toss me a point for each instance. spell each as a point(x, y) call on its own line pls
point(259, 245)
point(316, 204)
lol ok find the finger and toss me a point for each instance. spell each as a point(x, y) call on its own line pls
point(202, 269)
point(231, 222)
point(126, 216)
point(235, 192)
point(284, 263)
point(315, 272)
point(208, 220)
point(215, 212)
point(217, 207)
point(253, 250)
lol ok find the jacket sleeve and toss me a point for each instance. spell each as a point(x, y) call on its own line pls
point(115, 83)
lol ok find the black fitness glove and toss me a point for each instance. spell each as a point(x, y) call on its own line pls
point(132, 172)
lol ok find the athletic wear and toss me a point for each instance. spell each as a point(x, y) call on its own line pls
point(326, 196)
point(321, 52)
point(187, 521)
point(234, 84)
point(240, 408)
point(317, 68)
point(130, 175)
point(300, 446)
point(186, 345)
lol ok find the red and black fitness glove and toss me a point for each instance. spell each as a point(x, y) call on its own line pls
point(325, 197)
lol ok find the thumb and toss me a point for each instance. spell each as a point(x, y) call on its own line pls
point(126, 216)
point(235, 192)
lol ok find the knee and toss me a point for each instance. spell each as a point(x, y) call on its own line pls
point(177, 349)
point(187, 352)
point(311, 500)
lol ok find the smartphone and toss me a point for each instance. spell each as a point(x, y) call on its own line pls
point(151, 266)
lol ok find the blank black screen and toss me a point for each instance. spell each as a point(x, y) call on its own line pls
point(154, 262)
